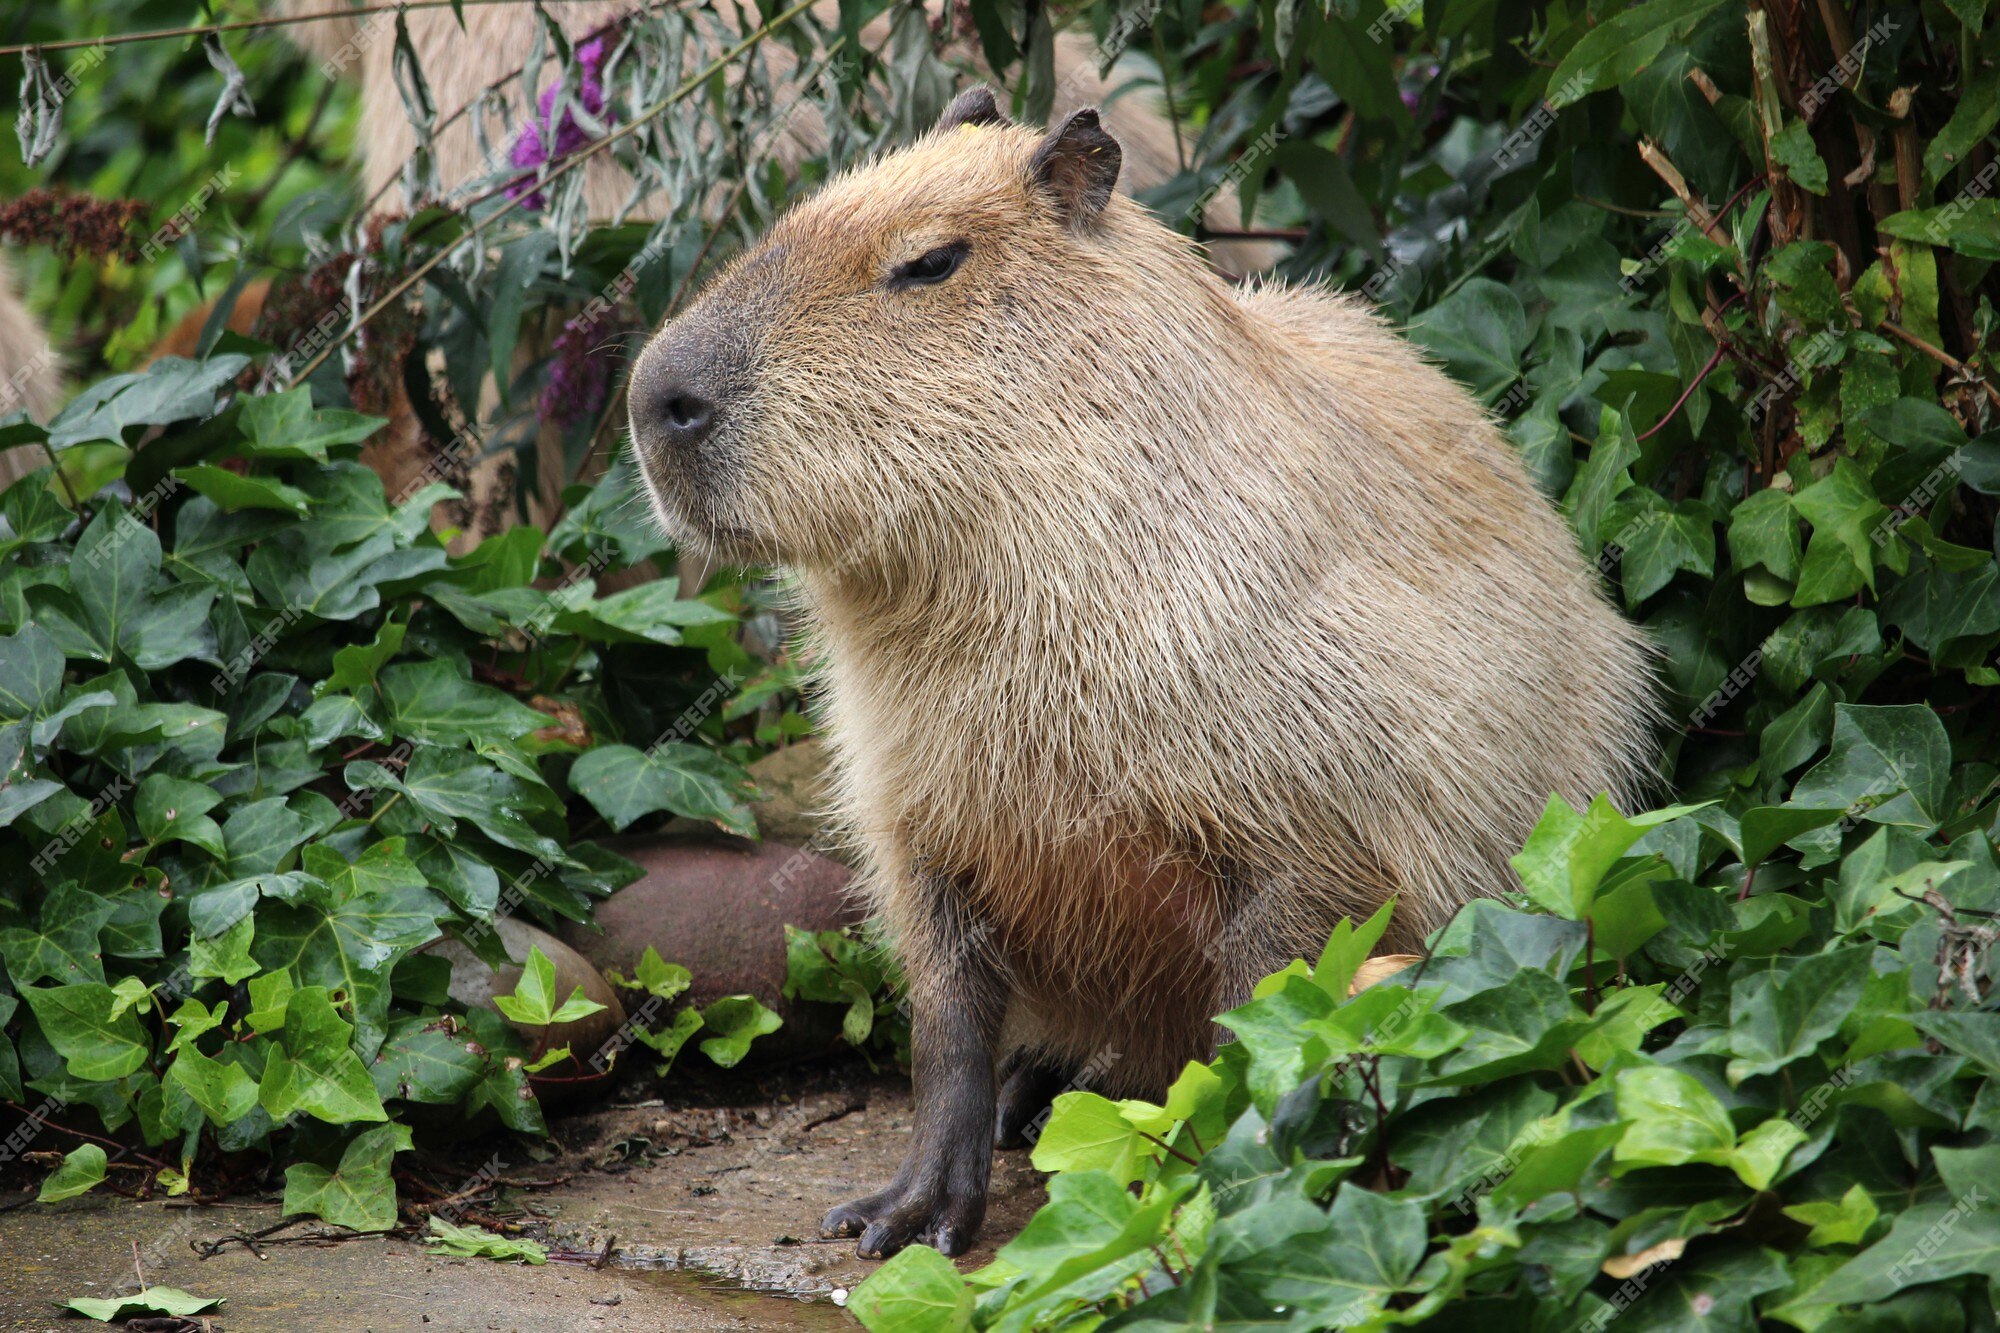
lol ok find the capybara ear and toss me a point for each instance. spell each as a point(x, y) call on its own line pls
point(974, 106)
point(1078, 163)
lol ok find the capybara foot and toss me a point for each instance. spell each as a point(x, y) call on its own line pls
point(917, 1214)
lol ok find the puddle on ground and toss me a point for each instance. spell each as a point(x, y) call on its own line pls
point(758, 1309)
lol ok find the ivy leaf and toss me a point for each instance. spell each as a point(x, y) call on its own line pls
point(446, 1237)
point(224, 1092)
point(170, 389)
point(625, 785)
point(98, 1038)
point(1844, 513)
point(664, 980)
point(534, 1003)
point(172, 809)
point(347, 940)
point(359, 1193)
point(82, 1170)
point(1764, 531)
point(234, 491)
point(113, 579)
point(736, 1021)
point(667, 1042)
point(1838, 1223)
point(287, 425)
point(317, 1070)
point(1337, 1267)
point(1889, 764)
point(1568, 853)
point(1794, 150)
point(430, 701)
point(65, 946)
point(1621, 46)
point(168, 1301)
point(1480, 332)
point(31, 672)
point(916, 1291)
point(428, 1060)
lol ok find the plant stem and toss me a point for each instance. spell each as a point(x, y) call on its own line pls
point(245, 25)
point(568, 162)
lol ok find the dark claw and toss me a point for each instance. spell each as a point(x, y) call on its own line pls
point(888, 1222)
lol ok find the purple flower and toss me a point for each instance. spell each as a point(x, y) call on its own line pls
point(579, 375)
point(531, 145)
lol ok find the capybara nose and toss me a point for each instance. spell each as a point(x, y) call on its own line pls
point(683, 417)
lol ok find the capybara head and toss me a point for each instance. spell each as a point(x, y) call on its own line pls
point(885, 360)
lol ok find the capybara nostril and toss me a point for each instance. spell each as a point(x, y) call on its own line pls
point(685, 416)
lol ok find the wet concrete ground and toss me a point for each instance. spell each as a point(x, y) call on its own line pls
point(711, 1204)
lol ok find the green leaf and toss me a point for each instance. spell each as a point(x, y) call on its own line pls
point(285, 425)
point(533, 1001)
point(665, 980)
point(1340, 1266)
point(1928, 1242)
point(171, 809)
point(1087, 1132)
point(359, 1192)
point(1568, 853)
point(1969, 226)
point(1975, 111)
point(1479, 332)
point(431, 701)
point(427, 1060)
point(317, 1071)
point(97, 1038)
point(65, 947)
point(82, 1170)
point(1673, 1118)
point(1793, 149)
point(114, 580)
point(1764, 531)
point(168, 1301)
point(31, 672)
point(916, 1291)
point(170, 389)
point(1620, 47)
point(462, 1242)
point(736, 1021)
point(1889, 764)
point(625, 785)
point(1844, 1222)
point(234, 491)
point(224, 1092)
point(1844, 513)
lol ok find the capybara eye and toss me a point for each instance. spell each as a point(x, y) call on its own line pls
point(933, 267)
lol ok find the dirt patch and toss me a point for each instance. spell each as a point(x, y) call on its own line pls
point(709, 1200)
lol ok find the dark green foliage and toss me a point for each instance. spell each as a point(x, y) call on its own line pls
point(262, 737)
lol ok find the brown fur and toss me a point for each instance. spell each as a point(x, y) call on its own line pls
point(1166, 623)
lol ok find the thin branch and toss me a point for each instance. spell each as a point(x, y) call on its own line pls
point(1694, 384)
point(1941, 356)
point(243, 25)
point(1169, 1147)
point(568, 162)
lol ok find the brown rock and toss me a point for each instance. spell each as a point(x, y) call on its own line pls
point(718, 908)
point(793, 783)
point(473, 982)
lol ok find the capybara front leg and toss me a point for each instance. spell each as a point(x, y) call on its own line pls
point(957, 999)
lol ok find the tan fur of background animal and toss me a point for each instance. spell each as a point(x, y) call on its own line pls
point(1168, 622)
point(30, 375)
